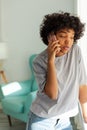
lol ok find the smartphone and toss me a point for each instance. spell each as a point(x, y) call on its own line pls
point(51, 38)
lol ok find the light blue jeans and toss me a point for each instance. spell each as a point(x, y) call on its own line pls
point(39, 123)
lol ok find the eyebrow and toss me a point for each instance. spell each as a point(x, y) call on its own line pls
point(65, 31)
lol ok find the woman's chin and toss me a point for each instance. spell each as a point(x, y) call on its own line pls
point(59, 54)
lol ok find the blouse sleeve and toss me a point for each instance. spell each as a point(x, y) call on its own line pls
point(40, 73)
point(82, 71)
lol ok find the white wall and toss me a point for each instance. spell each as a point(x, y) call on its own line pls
point(20, 21)
point(0, 19)
point(81, 11)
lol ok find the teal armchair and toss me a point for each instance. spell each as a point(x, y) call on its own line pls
point(17, 97)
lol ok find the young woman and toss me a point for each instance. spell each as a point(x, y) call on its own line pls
point(60, 74)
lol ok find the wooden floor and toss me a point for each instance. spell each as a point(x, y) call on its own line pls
point(16, 124)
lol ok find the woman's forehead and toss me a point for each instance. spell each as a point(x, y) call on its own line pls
point(66, 31)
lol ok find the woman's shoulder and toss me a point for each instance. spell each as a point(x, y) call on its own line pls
point(77, 51)
point(41, 57)
point(76, 47)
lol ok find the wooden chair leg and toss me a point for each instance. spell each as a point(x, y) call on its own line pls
point(9, 120)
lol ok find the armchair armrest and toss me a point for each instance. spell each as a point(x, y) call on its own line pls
point(1, 93)
point(30, 98)
point(16, 88)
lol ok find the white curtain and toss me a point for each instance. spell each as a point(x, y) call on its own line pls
point(81, 10)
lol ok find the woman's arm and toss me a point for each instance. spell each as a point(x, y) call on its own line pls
point(51, 86)
point(83, 101)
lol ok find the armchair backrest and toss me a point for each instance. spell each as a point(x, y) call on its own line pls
point(34, 83)
point(31, 58)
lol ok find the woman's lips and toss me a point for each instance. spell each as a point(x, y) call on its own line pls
point(66, 48)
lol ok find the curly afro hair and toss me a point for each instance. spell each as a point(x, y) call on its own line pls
point(56, 21)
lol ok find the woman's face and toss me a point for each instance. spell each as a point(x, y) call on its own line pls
point(66, 40)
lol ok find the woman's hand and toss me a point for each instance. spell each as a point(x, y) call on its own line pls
point(84, 111)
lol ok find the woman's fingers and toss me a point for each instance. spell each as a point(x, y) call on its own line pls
point(54, 47)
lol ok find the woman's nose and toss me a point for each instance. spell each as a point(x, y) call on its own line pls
point(67, 41)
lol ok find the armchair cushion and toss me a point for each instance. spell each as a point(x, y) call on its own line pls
point(14, 104)
point(30, 98)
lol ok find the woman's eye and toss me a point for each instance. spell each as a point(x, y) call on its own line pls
point(72, 37)
point(62, 36)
